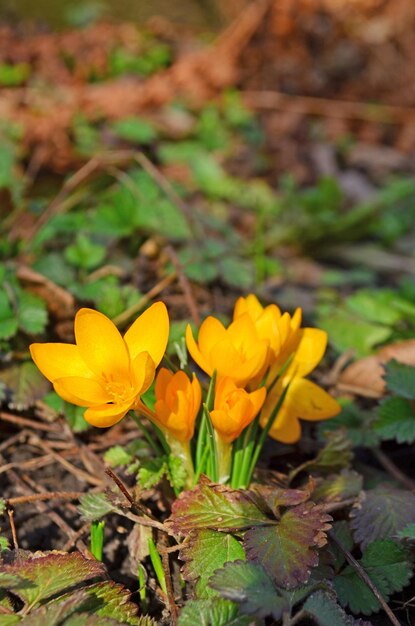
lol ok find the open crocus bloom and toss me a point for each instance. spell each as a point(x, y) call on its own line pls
point(236, 352)
point(234, 408)
point(304, 399)
point(104, 371)
point(279, 329)
point(177, 404)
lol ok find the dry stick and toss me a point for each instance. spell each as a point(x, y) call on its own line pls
point(135, 506)
point(123, 318)
point(185, 285)
point(337, 506)
point(366, 579)
point(80, 474)
point(145, 521)
point(169, 588)
point(52, 495)
point(76, 536)
point(340, 109)
point(24, 421)
point(10, 513)
point(393, 470)
point(17, 438)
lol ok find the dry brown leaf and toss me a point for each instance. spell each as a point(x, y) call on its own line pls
point(364, 377)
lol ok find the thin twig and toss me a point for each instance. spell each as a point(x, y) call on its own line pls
point(10, 513)
point(393, 470)
point(120, 485)
point(145, 521)
point(24, 421)
point(53, 495)
point(80, 474)
point(361, 572)
point(329, 507)
point(124, 317)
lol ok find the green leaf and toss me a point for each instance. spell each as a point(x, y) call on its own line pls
point(93, 506)
point(116, 456)
point(287, 551)
point(407, 533)
point(26, 385)
point(217, 507)
point(336, 454)
point(375, 306)
point(73, 414)
point(387, 566)
point(237, 272)
point(32, 314)
point(8, 320)
point(396, 420)
point(325, 611)
point(135, 129)
point(213, 612)
point(249, 586)
point(349, 331)
point(336, 487)
point(4, 543)
point(107, 599)
point(84, 253)
point(381, 513)
point(204, 551)
point(400, 379)
point(358, 424)
point(43, 575)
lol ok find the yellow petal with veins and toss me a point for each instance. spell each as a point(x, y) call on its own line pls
point(149, 333)
point(101, 345)
point(57, 360)
point(143, 372)
point(309, 401)
point(107, 414)
point(81, 391)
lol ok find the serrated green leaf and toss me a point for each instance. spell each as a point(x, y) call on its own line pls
point(343, 486)
point(381, 513)
point(26, 384)
point(336, 454)
point(325, 611)
point(205, 551)
point(32, 313)
point(43, 575)
point(216, 507)
point(387, 566)
point(400, 379)
point(358, 425)
point(349, 331)
point(396, 420)
point(116, 456)
point(84, 253)
point(4, 543)
point(213, 612)
point(94, 506)
point(287, 551)
point(249, 586)
point(107, 599)
point(237, 272)
point(407, 533)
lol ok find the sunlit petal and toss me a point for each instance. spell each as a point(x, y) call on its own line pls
point(286, 427)
point(195, 353)
point(144, 371)
point(57, 360)
point(310, 350)
point(211, 333)
point(107, 414)
point(101, 345)
point(309, 401)
point(163, 378)
point(149, 333)
point(86, 391)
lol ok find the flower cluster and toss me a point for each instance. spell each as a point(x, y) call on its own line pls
point(257, 368)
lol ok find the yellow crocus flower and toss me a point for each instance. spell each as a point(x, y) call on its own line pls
point(177, 404)
point(234, 408)
point(304, 399)
point(104, 371)
point(237, 352)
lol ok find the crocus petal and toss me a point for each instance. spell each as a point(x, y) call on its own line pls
point(211, 333)
point(195, 353)
point(144, 371)
point(257, 399)
point(310, 350)
point(250, 305)
point(101, 345)
point(107, 414)
point(286, 427)
point(57, 360)
point(149, 333)
point(242, 332)
point(163, 378)
point(309, 401)
point(81, 391)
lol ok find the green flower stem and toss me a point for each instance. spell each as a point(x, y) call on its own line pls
point(224, 458)
point(181, 449)
point(150, 439)
point(97, 539)
point(157, 564)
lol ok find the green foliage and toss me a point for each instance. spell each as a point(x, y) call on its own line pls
point(400, 379)
point(25, 385)
point(72, 413)
point(94, 506)
point(84, 253)
point(13, 75)
point(381, 513)
point(358, 423)
point(325, 611)
point(396, 420)
point(135, 130)
point(249, 586)
point(212, 612)
point(205, 551)
point(336, 487)
point(388, 567)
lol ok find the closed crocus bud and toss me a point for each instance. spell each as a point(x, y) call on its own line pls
point(236, 352)
point(234, 408)
point(177, 404)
